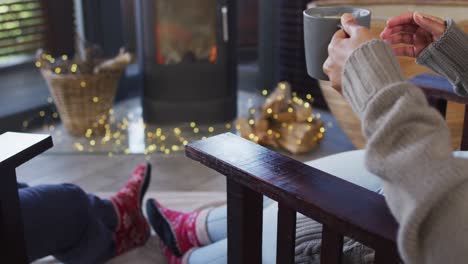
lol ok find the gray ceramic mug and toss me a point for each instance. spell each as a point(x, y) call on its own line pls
point(320, 24)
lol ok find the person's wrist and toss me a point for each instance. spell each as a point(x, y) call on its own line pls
point(451, 37)
point(368, 69)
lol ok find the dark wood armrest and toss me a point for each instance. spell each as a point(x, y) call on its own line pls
point(347, 208)
point(17, 148)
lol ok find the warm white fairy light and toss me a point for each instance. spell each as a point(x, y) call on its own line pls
point(167, 140)
point(74, 68)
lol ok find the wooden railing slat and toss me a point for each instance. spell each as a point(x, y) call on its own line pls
point(245, 216)
point(386, 255)
point(332, 246)
point(439, 104)
point(286, 235)
point(464, 143)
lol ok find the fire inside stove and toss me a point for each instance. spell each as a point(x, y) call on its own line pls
point(185, 31)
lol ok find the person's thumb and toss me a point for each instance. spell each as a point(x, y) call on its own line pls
point(434, 25)
point(349, 23)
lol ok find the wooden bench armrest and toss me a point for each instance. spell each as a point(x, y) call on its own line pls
point(347, 208)
point(17, 148)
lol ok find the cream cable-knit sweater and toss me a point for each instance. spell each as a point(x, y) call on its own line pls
point(425, 186)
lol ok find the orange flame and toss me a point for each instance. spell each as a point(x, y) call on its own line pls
point(213, 54)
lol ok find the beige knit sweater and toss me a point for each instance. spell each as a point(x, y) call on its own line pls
point(425, 186)
point(409, 148)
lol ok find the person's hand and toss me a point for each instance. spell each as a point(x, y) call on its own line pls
point(344, 42)
point(416, 30)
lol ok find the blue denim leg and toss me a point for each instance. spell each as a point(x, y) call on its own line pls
point(64, 221)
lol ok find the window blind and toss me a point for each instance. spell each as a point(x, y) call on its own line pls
point(22, 28)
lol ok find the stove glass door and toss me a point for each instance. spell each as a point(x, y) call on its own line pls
point(185, 31)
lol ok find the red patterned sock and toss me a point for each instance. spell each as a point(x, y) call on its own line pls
point(179, 231)
point(132, 229)
point(173, 259)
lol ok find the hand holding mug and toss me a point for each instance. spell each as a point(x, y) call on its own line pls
point(415, 29)
point(343, 43)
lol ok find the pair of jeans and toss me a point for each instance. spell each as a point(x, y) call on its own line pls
point(63, 221)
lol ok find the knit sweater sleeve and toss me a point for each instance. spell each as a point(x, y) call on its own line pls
point(409, 148)
point(448, 56)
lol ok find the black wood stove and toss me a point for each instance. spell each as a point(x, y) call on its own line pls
point(187, 51)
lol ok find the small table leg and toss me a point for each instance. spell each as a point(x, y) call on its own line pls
point(12, 243)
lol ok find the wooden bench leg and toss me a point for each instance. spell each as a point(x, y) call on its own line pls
point(464, 142)
point(387, 254)
point(286, 241)
point(332, 246)
point(245, 216)
point(439, 104)
point(12, 244)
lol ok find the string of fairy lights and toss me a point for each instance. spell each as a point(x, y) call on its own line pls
point(113, 131)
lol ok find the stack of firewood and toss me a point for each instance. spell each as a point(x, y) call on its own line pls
point(284, 121)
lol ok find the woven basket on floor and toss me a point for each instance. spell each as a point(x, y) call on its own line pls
point(83, 100)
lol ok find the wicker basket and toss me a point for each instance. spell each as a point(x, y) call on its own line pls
point(83, 100)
